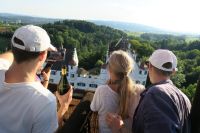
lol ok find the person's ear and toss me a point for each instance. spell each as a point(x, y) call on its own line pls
point(173, 72)
point(42, 56)
point(150, 66)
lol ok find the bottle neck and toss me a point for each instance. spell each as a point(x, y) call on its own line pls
point(64, 70)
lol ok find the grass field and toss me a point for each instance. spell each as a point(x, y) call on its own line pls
point(189, 39)
point(136, 34)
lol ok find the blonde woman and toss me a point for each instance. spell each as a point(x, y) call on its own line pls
point(119, 97)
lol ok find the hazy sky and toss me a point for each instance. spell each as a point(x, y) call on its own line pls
point(175, 15)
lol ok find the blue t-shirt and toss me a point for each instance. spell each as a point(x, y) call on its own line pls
point(163, 109)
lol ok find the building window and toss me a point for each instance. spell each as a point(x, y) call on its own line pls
point(90, 76)
point(145, 72)
point(51, 80)
point(140, 72)
point(53, 72)
point(71, 67)
point(81, 84)
point(72, 75)
point(93, 85)
point(137, 82)
point(72, 83)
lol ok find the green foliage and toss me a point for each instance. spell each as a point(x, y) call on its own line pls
point(99, 63)
point(188, 55)
point(90, 40)
point(4, 44)
point(144, 49)
point(190, 91)
point(59, 40)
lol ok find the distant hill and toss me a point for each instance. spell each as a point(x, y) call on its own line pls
point(132, 27)
point(14, 18)
point(90, 40)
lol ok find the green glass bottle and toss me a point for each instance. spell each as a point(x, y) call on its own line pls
point(63, 85)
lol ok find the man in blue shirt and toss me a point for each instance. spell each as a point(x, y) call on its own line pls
point(163, 108)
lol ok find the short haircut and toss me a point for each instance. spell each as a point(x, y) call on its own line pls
point(23, 56)
point(165, 73)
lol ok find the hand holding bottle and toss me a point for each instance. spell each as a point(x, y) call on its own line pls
point(65, 99)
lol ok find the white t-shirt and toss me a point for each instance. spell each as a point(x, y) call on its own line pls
point(106, 100)
point(26, 107)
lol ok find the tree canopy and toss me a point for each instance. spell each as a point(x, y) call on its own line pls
point(91, 42)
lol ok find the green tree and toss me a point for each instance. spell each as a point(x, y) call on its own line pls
point(99, 63)
point(59, 40)
point(190, 91)
point(179, 78)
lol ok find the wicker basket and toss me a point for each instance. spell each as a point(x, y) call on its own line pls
point(94, 127)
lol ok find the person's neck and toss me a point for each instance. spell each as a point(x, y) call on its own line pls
point(20, 73)
point(159, 79)
point(114, 87)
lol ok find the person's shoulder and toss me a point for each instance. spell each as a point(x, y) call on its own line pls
point(39, 94)
point(165, 92)
point(155, 89)
point(4, 64)
point(102, 88)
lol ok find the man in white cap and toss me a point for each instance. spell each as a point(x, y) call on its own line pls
point(26, 106)
point(163, 108)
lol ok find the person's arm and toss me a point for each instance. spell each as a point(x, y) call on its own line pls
point(117, 125)
point(64, 101)
point(7, 56)
point(195, 115)
point(159, 113)
point(114, 122)
point(95, 104)
point(6, 59)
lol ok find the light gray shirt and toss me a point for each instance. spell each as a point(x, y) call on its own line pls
point(26, 107)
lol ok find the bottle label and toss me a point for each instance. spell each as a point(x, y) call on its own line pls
point(64, 71)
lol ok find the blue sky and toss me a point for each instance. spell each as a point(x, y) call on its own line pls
point(174, 15)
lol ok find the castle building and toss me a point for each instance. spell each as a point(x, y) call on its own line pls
point(82, 79)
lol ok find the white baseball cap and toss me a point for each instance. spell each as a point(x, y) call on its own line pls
point(162, 56)
point(32, 38)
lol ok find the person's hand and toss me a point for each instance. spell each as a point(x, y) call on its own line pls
point(114, 121)
point(65, 99)
point(45, 77)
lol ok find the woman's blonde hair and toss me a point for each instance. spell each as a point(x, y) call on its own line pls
point(121, 64)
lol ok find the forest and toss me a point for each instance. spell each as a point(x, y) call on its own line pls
point(91, 42)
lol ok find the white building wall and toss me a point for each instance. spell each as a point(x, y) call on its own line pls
point(88, 81)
